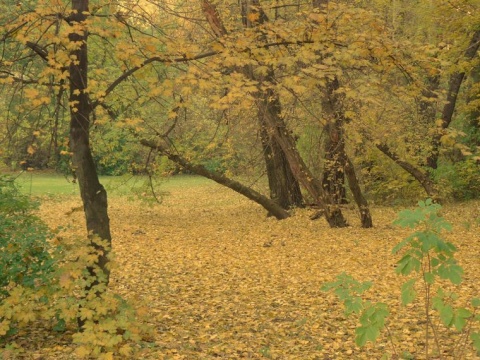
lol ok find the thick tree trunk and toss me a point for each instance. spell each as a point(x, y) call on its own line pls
point(93, 194)
point(271, 206)
point(284, 188)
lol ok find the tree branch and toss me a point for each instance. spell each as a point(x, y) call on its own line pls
point(268, 204)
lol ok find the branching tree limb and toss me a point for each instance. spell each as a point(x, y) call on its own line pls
point(269, 205)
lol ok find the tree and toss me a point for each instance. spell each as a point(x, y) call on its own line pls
point(284, 188)
point(94, 196)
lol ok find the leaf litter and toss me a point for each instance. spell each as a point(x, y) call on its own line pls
point(217, 278)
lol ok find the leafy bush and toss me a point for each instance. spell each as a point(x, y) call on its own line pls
point(46, 278)
point(25, 257)
point(459, 180)
point(431, 258)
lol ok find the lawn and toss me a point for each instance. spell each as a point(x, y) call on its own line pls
point(53, 184)
point(223, 281)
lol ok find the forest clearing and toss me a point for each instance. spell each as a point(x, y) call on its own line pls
point(216, 278)
point(306, 179)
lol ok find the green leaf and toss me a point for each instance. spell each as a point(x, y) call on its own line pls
point(429, 278)
point(408, 218)
point(353, 305)
point(476, 302)
point(428, 241)
point(60, 326)
point(372, 321)
point(400, 245)
point(452, 272)
point(475, 337)
point(407, 264)
point(435, 262)
point(460, 318)
point(366, 333)
point(408, 292)
point(446, 315)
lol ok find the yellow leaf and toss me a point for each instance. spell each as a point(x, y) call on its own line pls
point(30, 150)
point(31, 93)
point(82, 352)
point(253, 17)
point(125, 350)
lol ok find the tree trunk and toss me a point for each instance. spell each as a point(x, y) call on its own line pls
point(271, 206)
point(284, 188)
point(333, 181)
point(365, 216)
point(93, 194)
point(337, 162)
point(454, 85)
point(278, 130)
point(422, 177)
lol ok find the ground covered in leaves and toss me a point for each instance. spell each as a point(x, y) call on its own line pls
point(219, 279)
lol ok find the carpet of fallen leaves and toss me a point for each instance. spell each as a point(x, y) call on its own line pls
point(222, 280)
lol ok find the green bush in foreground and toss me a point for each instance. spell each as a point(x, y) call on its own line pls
point(45, 279)
point(24, 249)
point(429, 258)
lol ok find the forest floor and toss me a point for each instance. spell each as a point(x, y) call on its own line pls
point(222, 280)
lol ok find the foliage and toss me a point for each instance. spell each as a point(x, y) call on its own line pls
point(461, 179)
point(24, 249)
point(219, 279)
point(45, 278)
point(111, 325)
point(431, 258)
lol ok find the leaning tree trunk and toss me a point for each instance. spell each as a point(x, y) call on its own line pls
point(365, 216)
point(268, 204)
point(93, 194)
point(454, 85)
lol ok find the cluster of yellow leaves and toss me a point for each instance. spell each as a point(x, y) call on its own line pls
point(111, 324)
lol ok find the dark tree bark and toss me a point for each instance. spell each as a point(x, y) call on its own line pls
point(271, 206)
point(362, 203)
point(421, 176)
point(284, 187)
point(454, 85)
point(93, 194)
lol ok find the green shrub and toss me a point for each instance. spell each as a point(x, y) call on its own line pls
point(426, 258)
point(47, 279)
point(459, 180)
point(24, 248)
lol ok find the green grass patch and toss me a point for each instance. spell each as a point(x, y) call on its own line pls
point(53, 184)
